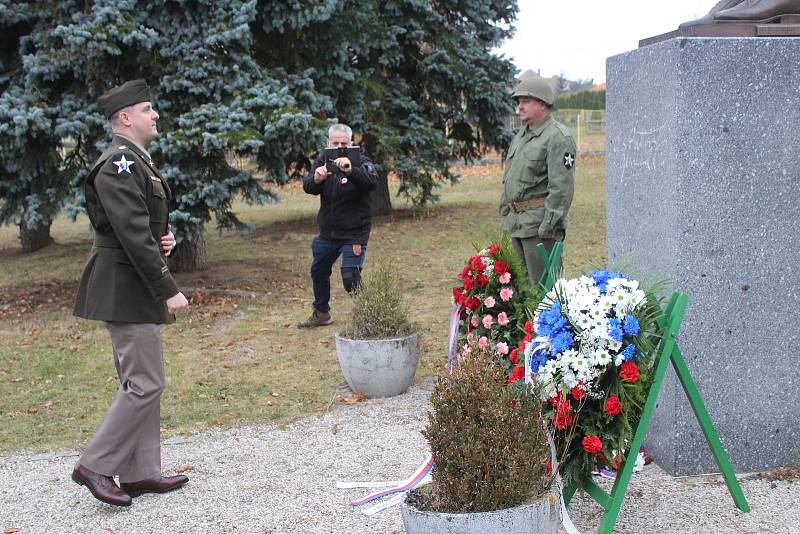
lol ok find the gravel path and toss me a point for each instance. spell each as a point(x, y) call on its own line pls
point(267, 479)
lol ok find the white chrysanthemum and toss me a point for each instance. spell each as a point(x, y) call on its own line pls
point(619, 359)
point(582, 321)
point(603, 357)
point(569, 379)
point(579, 363)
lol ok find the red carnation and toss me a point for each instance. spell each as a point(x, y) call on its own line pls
point(517, 374)
point(617, 462)
point(473, 303)
point(629, 372)
point(477, 263)
point(500, 267)
point(458, 296)
point(464, 272)
point(513, 356)
point(592, 444)
point(494, 249)
point(613, 405)
point(469, 283)
point(578, 392)
point(562, 418)
point(482, 280)
point(529, 328)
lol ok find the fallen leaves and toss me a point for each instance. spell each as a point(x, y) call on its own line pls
point(12, 530)
point(353, 398)
point(184, 468)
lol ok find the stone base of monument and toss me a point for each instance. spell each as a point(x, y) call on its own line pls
point(703, 170)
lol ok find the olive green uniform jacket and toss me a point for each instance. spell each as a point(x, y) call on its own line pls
point(540, 163)
point(126, 278)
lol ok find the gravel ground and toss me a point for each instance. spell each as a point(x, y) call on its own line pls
point(267, 479)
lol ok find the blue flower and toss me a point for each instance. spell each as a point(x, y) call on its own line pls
point(630, 325)
point(562, 341)
point(551, 321)
point(629, 352)
point(600, 278)
point(614, 330)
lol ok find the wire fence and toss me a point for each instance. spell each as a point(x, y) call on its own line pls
point(588, 127)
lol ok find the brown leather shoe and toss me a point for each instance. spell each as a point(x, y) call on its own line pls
point(154, 485)
point(102, 487)
point(317, 318)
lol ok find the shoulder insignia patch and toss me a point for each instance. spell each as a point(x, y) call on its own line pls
point(569, 160)
point(123, 165)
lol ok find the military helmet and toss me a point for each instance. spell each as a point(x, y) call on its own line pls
point(535, 87)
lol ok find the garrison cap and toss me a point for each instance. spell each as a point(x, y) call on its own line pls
point(121, 96)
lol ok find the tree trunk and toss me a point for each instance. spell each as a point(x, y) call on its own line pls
point(381, 200)
point(190, 254)
point(34, 239)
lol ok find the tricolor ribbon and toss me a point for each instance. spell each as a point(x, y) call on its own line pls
point(569, 526)
point(397, 489)
point(452, 340)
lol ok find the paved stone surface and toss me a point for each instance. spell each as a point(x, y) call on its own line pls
point(703, 173)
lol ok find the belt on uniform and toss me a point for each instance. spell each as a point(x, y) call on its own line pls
point(519, 207)
point(106, 241)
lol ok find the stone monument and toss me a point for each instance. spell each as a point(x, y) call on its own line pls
point(703, 170)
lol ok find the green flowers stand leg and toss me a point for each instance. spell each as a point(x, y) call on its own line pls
point(669, 352)
point(551, 262)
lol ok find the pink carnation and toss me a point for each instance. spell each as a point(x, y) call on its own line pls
point(489, 302)
point(502, 348)
point(483, 342)
point(474, 321)
point(506, 293)
point(502, 319)
point(487, 321)
point(505, 277)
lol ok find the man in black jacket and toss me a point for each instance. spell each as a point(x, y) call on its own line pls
point(344, 218)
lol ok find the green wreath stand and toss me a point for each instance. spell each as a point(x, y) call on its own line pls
point(668, 351)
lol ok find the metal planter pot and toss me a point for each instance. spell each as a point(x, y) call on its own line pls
point(539, 517)
point(379, 367)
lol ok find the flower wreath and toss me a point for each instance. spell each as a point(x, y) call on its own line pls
point(593, 346)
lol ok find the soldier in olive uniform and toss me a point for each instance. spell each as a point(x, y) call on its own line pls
point(540, 176)
point(127, 284)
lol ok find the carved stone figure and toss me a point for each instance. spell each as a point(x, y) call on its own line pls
point(709, 18)
point(756, 11)
point(760, 11)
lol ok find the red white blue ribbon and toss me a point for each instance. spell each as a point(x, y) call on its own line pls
point(397, 489)
point(452, 340)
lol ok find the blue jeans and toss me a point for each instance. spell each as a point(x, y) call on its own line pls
point(325, 255)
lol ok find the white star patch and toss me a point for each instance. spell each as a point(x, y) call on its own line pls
point(123, 165)
point(569, 160)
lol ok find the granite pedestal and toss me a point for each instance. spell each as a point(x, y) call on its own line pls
point(703, 175)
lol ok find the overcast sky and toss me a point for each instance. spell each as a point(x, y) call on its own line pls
point(574, 37)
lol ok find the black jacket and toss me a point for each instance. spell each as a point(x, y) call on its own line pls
point(345, 206)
